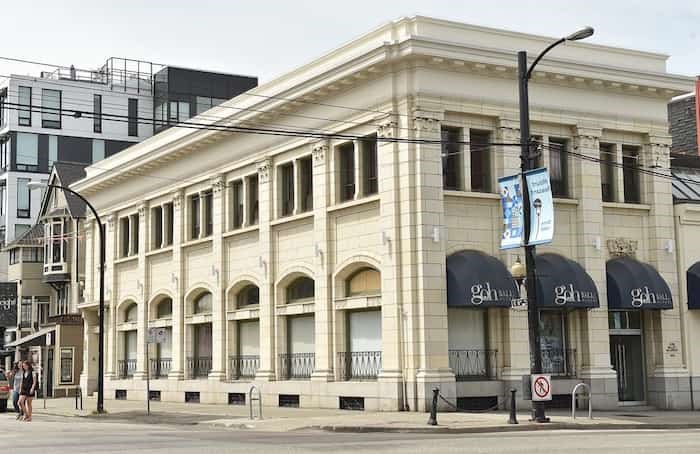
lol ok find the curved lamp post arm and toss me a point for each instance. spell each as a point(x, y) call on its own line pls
point(542, 54)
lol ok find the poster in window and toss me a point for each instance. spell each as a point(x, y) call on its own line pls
point(8, 304)
point(66, 365)
point(512, 202)
point(541, 206)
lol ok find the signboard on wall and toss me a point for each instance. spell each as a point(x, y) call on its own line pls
point(512, 203)
point(541, 207)
point(157, 336)
point(8, 304)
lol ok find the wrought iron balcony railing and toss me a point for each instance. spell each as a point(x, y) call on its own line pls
point(559, 362)
point(199, 367)
point(473, 364)
point(359, 365)
point(160, 367)
point(296, 365)
point(243, 367)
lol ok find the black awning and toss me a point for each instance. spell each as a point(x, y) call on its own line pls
point(563, 283)
point(693, 286)
point(636, 285)
point(475, 279)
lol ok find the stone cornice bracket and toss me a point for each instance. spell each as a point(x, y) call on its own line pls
point(622, 247)
point(142, 211)
point(177, 199)
point(110, 222)
point(387, 129)
point(264, 167)
point(319, 151)
point(586, 142)
point(427, 120)
point(217, 184)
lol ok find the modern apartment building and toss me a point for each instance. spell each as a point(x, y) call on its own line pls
point(361, 268)
point(84, 116)
point(684, 122)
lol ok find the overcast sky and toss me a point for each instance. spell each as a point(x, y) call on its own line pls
point(268, 38)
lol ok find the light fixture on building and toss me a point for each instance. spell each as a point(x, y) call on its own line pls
point(317, 250)
point(173, 278)
point(215, 272)
point(669, 246)
point(385, 238)
point(518, 271)
point(436, 234)
point(596, 243)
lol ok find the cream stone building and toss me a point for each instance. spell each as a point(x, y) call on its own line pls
point(335, 238)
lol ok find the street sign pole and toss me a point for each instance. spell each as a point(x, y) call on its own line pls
point(148, 381)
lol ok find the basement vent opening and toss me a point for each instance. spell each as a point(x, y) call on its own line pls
point(352, 403)
point(236, 398)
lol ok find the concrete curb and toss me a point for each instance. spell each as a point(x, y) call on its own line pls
point(505, 428)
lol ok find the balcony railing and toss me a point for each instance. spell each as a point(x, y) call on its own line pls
point(359, 365)
point(559, 362)
point(160, 367)
point(126, 368)
point(296, 365)
point(473, 364)
point(245, 366)
point(198, 367)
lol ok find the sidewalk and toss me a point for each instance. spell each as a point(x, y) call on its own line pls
point(277, 419)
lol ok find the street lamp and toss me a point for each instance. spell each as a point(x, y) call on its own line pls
point(101, 348)
point(527, 162)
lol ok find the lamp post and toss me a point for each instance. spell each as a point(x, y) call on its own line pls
point(101, 335)
point(527, 162)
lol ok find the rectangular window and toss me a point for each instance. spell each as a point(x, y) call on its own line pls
point(134, 233)
point(369, 166)
point(169, 223)
point(237, 204)
point(14, 256)
point(346, 158)
point(253, 212)
point(287, 188)
point(42, 310)
point(98, 150)
point(479, 156)
point(558, 167)
point(607, 172)
point(53, 151)
point(25, 110)
point(630, 162)
point(51, 108)
point(451, 158)
point(125, 236)
point(157, 227)
point(183, 111)
point(208, 213)
point(20, 229)
point(466, 332)
point(160, 114)
point(202, 104)
point(26, 315)
point(32, 255)
point(67, 365)
point(172, 116)
point(23, 198)
point(27, 152)
point(4, 152)
point(194, 217)
point(2, 199)
point(306, 191)
point(97, 113)
point(133, 117)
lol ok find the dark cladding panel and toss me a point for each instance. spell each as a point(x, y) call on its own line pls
point(75, 149)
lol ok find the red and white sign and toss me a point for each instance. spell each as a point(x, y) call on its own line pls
point(541, 387)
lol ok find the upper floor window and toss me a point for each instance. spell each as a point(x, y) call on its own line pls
point(129, 235)
point(630, 174)
point(287, 189)
point(607, 172)
point(2, 199)
point(479, 158)
point(558, 167)
point(55, 240)
point(97, 113)
point(179, 111)
point(23, 198)
point(53, 151)
point(131, 314)
point(300, 289)
point(133, 117)
point(451, 151)
point(98, 150)
point(250, 294)
point(27, 152)
point(208, 213)
point(201, 207)
point(253, 210)
point(164, 308)
point(370, 170)
point(162, 225)
point(306, 193)
point(357, 169)
point(202, 304)
point(32, 255)
point(14, 256)
point(346, 167)
point(50, 108)
point(25, 110)
point(195, 217)
point(366, 281)
point(4, 152)
point(237, 205)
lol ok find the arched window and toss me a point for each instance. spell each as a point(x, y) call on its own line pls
point(164, 309)
point(131, 313)
point(366, 281)
point(202, 304)
point(300, 289)
point(250, 294)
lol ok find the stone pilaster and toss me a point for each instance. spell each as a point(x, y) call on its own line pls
point(111, 245)
point(177, 367)
point(218, 371)
point(142, 294)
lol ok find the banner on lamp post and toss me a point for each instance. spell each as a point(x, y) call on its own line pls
point(541, 207)
point(512, 203)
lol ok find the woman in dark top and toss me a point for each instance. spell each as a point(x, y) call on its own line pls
point(28, 390)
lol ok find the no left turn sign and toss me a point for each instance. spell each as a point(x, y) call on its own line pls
point(541, 387)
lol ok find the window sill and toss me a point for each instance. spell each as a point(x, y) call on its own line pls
point(127, 326)
point(245, 313)
point(195, 319)
point(126, 259)
point(303, 307)
point(160, 251)
point(627, 206)
point(160, 323)
point(354, 203)
point(358, 302)
point(565, 201)
point(204, 240)
point(472, 195)
point(292, 218)
point(241, 231)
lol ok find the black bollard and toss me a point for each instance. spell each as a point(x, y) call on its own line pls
point(432, 421)
point(513, 418)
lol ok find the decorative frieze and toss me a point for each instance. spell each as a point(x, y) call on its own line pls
point(621, 247)
point(387, 129)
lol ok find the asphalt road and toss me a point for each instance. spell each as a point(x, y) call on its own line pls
point(72, 435)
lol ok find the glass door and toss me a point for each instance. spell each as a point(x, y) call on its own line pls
point(626, 353)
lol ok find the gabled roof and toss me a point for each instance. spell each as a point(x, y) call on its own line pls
point(65, 174)
point(32, 237)
point(686, 184)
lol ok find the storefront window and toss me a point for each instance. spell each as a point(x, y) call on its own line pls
point(556, 358)
point(67, 365)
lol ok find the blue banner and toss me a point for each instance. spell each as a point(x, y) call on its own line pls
point(512, 202)
point(541, 206)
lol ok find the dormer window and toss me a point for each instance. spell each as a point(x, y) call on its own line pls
point(56, 245)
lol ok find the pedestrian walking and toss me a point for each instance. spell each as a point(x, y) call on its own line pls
point(27, 390)
point(14, 377)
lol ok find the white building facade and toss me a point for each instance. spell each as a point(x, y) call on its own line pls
point(329, 265)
